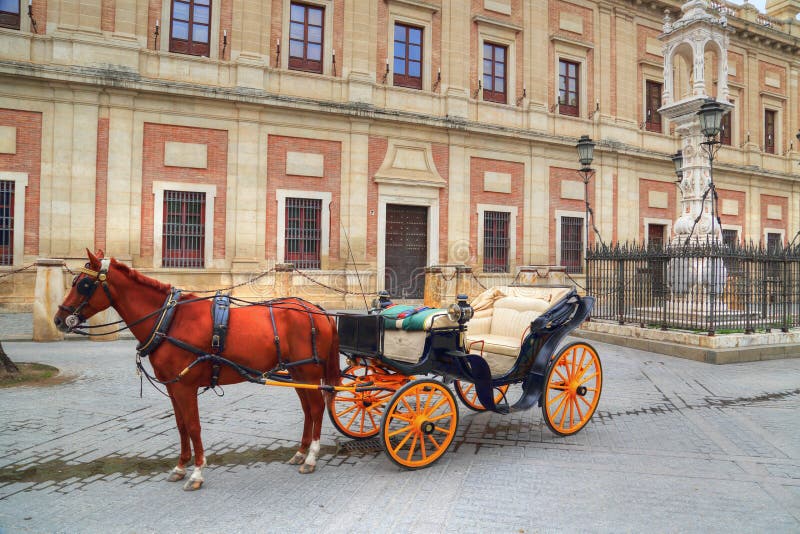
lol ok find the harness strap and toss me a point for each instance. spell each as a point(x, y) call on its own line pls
point(162, 324)
point(281, 365)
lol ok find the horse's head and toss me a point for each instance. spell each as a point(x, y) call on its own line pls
point(83, 300)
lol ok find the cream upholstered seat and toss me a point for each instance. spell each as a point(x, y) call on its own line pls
point(502, 317)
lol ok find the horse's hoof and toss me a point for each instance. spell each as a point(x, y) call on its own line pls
point(306, 469)
point(175, 476)
point(297, 459)
point(192, 485)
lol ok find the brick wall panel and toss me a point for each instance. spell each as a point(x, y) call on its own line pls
point(28, 159)
point(647, 212)
point(277, 147)
point(153, 169)
point(558, 175)
point(478, 166)
point(101, 185)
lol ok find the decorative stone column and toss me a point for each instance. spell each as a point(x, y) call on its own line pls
point(49, 292)
point(283, 279)
point(434, 287)
point(109, 333)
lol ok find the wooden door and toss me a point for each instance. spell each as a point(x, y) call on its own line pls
point(406, 250)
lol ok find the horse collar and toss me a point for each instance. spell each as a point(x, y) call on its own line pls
point(162, 324)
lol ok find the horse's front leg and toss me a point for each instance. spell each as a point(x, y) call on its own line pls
point(186, 398)
point(179, 471)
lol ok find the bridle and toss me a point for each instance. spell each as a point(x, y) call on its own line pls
point(86, 287)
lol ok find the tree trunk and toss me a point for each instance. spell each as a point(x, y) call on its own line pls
point(5, 362)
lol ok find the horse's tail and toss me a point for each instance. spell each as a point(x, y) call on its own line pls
point(333, 372)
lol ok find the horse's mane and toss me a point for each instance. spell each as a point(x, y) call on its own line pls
point(136, 276)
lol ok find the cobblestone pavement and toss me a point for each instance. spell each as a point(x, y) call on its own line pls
point(17, 326)
point(676, 446)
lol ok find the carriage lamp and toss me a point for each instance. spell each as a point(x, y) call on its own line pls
point(461, 311)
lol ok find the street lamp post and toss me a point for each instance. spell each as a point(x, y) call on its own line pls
point(585, 148)
point(710, 115)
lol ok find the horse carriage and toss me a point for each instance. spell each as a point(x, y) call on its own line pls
point(401, 360)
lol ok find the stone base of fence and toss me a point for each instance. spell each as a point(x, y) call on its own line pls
point(719, 349)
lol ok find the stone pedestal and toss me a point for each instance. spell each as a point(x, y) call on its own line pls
point(283, 279)
point(434, 287)
point(48, 294)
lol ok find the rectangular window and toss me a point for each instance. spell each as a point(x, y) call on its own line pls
point(655, 234)
point(774, 241)
point(6, 222)
point(494, 73)
point(568, 88)
point(9, 14)
point(407, 56)
point(184, 229)
point(730, 237)
point(495, 241)
point(769, 131)
point(652, 119)
point(725, 130)
point(305, 37)
point(191, 24)
point(572, 244)
point(303, 232)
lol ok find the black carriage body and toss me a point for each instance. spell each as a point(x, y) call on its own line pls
point(361, 335)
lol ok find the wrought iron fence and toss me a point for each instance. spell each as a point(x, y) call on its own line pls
point(710, 287)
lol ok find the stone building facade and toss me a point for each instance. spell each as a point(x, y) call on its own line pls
point(202, 141)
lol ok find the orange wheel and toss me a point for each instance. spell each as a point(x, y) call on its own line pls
point(419, 423)
point(467, 394)
point(572, 389)
point(358, 414)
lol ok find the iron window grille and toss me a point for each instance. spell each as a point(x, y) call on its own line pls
point(184, 229)
point(191, 25)
point(306, 29)
point(6, 222)
point(496, 241)
point(730, 237)
point(572, 244)
point(494, 73)
point(303, 232)
point(653, 96)
point(407, 56)
point(769, 131)
point(725, 131)
point(568, 88)
point(9, 14)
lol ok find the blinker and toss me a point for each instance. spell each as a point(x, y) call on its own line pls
point(85, 287)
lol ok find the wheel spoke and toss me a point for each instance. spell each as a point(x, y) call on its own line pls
point(571, 411)
point(558, 408)
point(374, 424)
point(551, 401)
point(410, 409)
point(564, 378)
point(348, 410)
point(428, 401)
point(400, 430)
point(402, 442)
point(588, 404)
point(578, 409)
point(352, 420)
point(422, 448)
point(588, 378)
point(444, 399)
point(442, 430)
point(438, 417)
point(412, 447)
point(435, 443)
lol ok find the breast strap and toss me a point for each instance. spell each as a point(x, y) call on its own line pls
point(161, 327)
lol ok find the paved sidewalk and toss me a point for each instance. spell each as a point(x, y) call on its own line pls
point(676, 446)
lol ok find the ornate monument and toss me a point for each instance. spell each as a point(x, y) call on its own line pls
point(695, 69)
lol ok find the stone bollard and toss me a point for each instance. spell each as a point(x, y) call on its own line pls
point(465, 283)
point(48, 294)
point(283, 279)
point(105, 316)
point(434, 287)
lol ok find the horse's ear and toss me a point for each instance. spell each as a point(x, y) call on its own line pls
point(100, 254)
point(92, 258)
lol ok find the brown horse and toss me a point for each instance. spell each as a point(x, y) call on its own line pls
point(251, 343)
